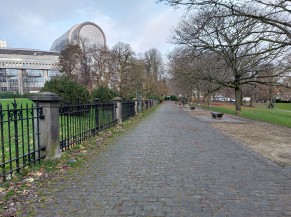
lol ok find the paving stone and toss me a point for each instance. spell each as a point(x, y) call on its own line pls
point(172, 164)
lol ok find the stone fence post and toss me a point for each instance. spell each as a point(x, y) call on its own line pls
point(136, 107)
point(49, 125)
point(118, 110)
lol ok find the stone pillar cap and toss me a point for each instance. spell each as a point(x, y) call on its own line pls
point(117, 98)
point(46, 97)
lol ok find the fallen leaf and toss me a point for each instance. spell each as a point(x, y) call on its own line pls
point(25, 192)
point(38, 174)
point(29, 180)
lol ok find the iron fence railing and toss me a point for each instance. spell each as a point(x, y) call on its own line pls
point(78, 122)
point(19, 137)
point(146, 104)
point(21, 141)
point(128, 109)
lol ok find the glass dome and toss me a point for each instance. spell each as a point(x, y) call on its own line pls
point(88, 32)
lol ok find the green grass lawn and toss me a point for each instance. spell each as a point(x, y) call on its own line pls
point(280, 106)
point(4, 102)
point(280, 115)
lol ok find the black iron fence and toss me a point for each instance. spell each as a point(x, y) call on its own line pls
point(128, 109)
point(78, 122)
point(19, 137)
point(146, 104)
point(25, 138)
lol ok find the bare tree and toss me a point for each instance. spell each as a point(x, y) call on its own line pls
point(69, 60)
point(191, 74)
point(103, 72)
point(274, 13)
point(77, 63)
point(233, 43)
point(85, 65)
point(117, 68)
point(183, 71)
point(153, 62)
point(123, 56)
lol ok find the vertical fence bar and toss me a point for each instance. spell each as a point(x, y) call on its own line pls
point(74, 128)
point(89, 117)
point(108, 116)
point(33, 137)
point(113, 113)
point(2, 141)
point(68, 132)
point(9, 136)
point(80, 125)
point(92, 113)
point(97, 121)
point(83, 117)
point(22, 134)
point(28, 132)
point(104, 117)
point(16, 140)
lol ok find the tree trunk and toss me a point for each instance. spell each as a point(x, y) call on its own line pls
point(252, 98)
point(251, 102)
point(237, 93)
point(271, 105)
point(208, 99)
point(190, 98)
point(198, 96)
point(241, 97)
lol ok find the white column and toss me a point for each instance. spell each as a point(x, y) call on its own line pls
point(45, 75)
point(20, 81)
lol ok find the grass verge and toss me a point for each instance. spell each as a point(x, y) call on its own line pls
point(281, 115)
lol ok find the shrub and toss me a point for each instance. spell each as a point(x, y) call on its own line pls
point(154, 97)
point(104, 94)
point(174, 98)
point(71, 91)
point(9, 95)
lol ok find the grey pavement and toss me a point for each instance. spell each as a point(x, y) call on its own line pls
point(172, 164)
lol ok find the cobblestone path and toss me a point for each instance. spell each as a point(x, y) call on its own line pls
point(172, 164)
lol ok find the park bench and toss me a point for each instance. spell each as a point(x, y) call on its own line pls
point(192, 107)
point(216, 115)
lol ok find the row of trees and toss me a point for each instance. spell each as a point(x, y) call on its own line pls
point(118, 68)
point(240, 45)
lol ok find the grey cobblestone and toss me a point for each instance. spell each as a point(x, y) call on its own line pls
point(172, 164)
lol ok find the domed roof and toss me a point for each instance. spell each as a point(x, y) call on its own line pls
point(87, 32)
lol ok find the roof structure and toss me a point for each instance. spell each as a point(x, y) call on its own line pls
point(89, 32)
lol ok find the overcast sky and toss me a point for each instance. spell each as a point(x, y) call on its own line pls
point(36, 24)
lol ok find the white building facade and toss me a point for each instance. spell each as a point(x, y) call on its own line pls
point(27, 70)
